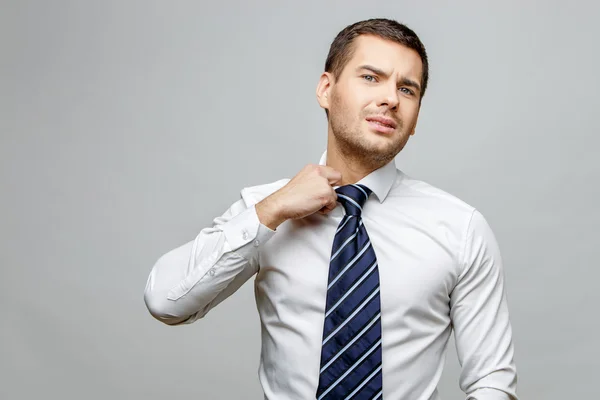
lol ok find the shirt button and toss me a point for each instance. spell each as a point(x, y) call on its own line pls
point(211, 272)
point(256, 243)
point(245, 235)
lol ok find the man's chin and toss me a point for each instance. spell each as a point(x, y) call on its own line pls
point(378, 144)
point(375, 153)
point(371, 149)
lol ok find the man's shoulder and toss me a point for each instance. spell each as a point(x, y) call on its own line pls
point(256, 193)
point(437, 198)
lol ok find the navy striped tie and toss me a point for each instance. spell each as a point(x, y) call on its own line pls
point(351, 347)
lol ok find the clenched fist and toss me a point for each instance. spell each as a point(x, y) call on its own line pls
point(311, 190)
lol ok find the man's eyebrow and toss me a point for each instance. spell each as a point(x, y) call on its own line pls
point(403, 80)
point(409, 82)
point(373, 69)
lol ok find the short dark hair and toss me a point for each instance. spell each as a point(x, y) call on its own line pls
point(342, 48)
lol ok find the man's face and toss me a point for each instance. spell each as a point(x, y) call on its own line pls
point(374, 104)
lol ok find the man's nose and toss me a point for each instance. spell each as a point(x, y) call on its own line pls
point(389, 97)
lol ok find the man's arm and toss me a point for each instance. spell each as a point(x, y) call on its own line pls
point(480, 318)
point(189, 281)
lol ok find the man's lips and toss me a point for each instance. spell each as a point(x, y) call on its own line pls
point(382, 124)
point(388, 122)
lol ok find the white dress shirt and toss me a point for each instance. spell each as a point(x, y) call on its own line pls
point(439, 265)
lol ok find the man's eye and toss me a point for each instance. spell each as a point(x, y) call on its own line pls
point(369, 78)
point(407, 91)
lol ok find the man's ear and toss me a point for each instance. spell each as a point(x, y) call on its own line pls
point(416, 122)
point(413, 129)
point(324, 89)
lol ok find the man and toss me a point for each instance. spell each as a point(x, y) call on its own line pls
point(360, 271)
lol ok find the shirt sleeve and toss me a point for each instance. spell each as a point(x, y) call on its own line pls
point(480, 318)
point(188, 281)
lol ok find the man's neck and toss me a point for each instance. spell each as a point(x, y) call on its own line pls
point(351, 168)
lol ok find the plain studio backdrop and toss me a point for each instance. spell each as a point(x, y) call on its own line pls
point(127, 126)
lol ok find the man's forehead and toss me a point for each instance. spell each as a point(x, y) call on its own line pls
point(386, 55)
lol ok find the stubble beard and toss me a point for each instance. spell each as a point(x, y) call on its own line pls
point(354, 146)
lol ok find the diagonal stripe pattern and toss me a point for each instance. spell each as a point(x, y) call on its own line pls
point(351, 347)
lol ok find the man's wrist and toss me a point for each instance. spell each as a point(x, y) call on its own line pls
point(268, 213)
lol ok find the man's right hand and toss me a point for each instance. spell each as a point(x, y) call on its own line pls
point(311, 190)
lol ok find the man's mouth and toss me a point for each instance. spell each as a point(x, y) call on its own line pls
point(382, 124)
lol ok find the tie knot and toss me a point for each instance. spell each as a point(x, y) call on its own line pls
point(353, 197)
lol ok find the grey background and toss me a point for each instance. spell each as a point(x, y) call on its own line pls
point(126, 126)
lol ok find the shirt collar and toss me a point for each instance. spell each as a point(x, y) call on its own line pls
point(379, 181)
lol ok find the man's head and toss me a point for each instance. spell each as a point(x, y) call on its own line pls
point(375, 77)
